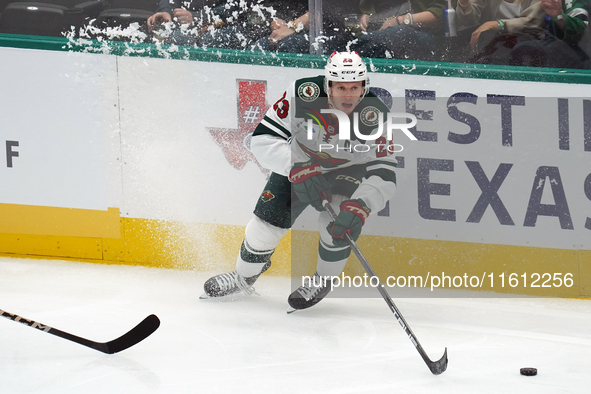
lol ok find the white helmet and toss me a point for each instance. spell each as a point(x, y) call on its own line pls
point(345, 67)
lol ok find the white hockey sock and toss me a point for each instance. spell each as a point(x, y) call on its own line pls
point(246, 269)
point(330, 268)
point(260, 241)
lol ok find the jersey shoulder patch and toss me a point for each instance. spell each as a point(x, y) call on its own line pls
point(370, 110)
point(310, 89)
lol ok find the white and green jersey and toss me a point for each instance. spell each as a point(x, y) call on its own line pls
point(576, 21)
point(282, 139)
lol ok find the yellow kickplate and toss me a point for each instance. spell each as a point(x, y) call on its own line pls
point(40, 220)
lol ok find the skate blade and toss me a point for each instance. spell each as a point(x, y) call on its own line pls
point(291, 310)
point(230, 297)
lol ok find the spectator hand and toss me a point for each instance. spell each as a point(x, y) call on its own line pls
point(183, 17)
point(490, 25)
point(280, 33)
point(309, 184)
point(350, 220)
point(389, 23)
point(277, 23)
point(552, 8)
point(158, 18)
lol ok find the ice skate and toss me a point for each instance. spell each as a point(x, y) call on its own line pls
point(230, 283)
point(313, 291)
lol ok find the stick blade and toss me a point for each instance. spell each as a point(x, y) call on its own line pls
point(134, 336)
point(438, 367)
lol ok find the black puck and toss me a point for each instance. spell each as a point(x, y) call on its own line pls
point(528, 371)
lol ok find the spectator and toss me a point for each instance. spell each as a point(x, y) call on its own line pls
point(566, 24)
point(497, 25)
point(189, 16)
point(293, 35)
point(247, 22)
point(405, 31)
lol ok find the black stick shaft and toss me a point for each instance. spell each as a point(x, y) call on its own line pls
point(132, 337)
point(436, 367)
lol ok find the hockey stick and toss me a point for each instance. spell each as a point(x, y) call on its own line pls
point(436, 367)
point(134, 336)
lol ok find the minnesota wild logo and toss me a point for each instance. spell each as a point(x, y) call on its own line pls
point(267, 196)
point(309, 91)
point(370, 116)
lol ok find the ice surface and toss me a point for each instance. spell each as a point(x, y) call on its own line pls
point(253, 346)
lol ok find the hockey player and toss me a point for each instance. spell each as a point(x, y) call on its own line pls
point(355, 175)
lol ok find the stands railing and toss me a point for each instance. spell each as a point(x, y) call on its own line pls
point(149, 47)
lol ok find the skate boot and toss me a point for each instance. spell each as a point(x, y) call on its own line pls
point(313, 291)
point(230, 283)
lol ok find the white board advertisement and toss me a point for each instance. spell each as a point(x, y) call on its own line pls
point(495, 162)
point(59, 130)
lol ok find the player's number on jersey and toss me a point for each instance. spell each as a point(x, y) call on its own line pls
point(281, 107)
point(382, 148)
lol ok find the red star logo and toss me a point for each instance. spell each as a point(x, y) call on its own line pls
point(235, 143)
